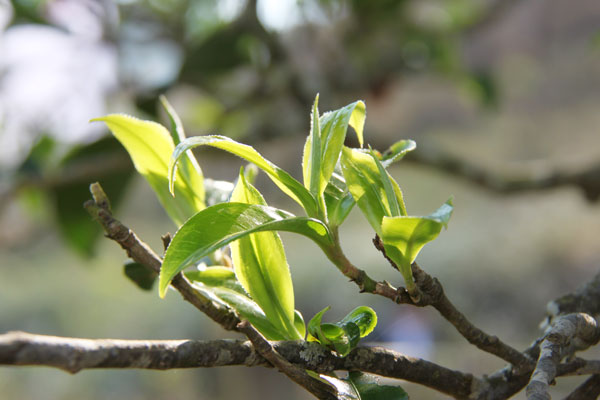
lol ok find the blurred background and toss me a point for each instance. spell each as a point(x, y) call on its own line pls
point(509, 87)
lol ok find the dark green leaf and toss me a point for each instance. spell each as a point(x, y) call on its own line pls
point(369, 388)
point(219, 225)
point(74, 223)
point(142, 276)
point(364, 317)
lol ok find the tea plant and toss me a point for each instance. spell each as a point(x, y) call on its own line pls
point(227, 260)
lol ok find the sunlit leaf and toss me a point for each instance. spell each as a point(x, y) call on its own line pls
point(365, 182)
point(311, 161)
point(219, 225)
point(282, 179)
point(261, 267)
point(397, 151)
point(404, 237)
point(150, 146)
point(334, 125)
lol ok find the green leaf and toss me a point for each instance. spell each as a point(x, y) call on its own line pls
point(366, 183)
point(282, 179)
point(314, 326)
point(262, 269)
point(243, 305)
point(397, 151)
point(364, 317)
point(338, 200)
point(219, 225)
point(74, 223)
point(334, 126)
point(216, 275)
point(390, 194)
point(177, 132)
point(311, 160)
point(404, 237)
point(150, 146)
point(344, 335)
point(369, 388)
point(225, 281)
point(143, 277)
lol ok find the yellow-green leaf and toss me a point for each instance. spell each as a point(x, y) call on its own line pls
point(282, 179)
point(150, 146)
point(261, 267)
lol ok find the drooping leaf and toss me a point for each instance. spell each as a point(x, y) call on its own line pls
point(143, 277)
point(397, 151)
point(150, 146)
point(219, 225)
point(282, 179)
point(261, 267)
point(334, 125)
point(369, 388)
point(365, 182)
point(311, 160)
point(404, 237)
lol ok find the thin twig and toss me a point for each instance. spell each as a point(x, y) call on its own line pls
point(143, 254)
point(431, 293)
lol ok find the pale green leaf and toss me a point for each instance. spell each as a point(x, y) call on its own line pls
point(261, 267)
point(311, 160)
point(219, 225)
point(150, 146)
point(282, 179)
point(365, 182)
point(397, 151)
point(334, 125)
point(404, 237)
